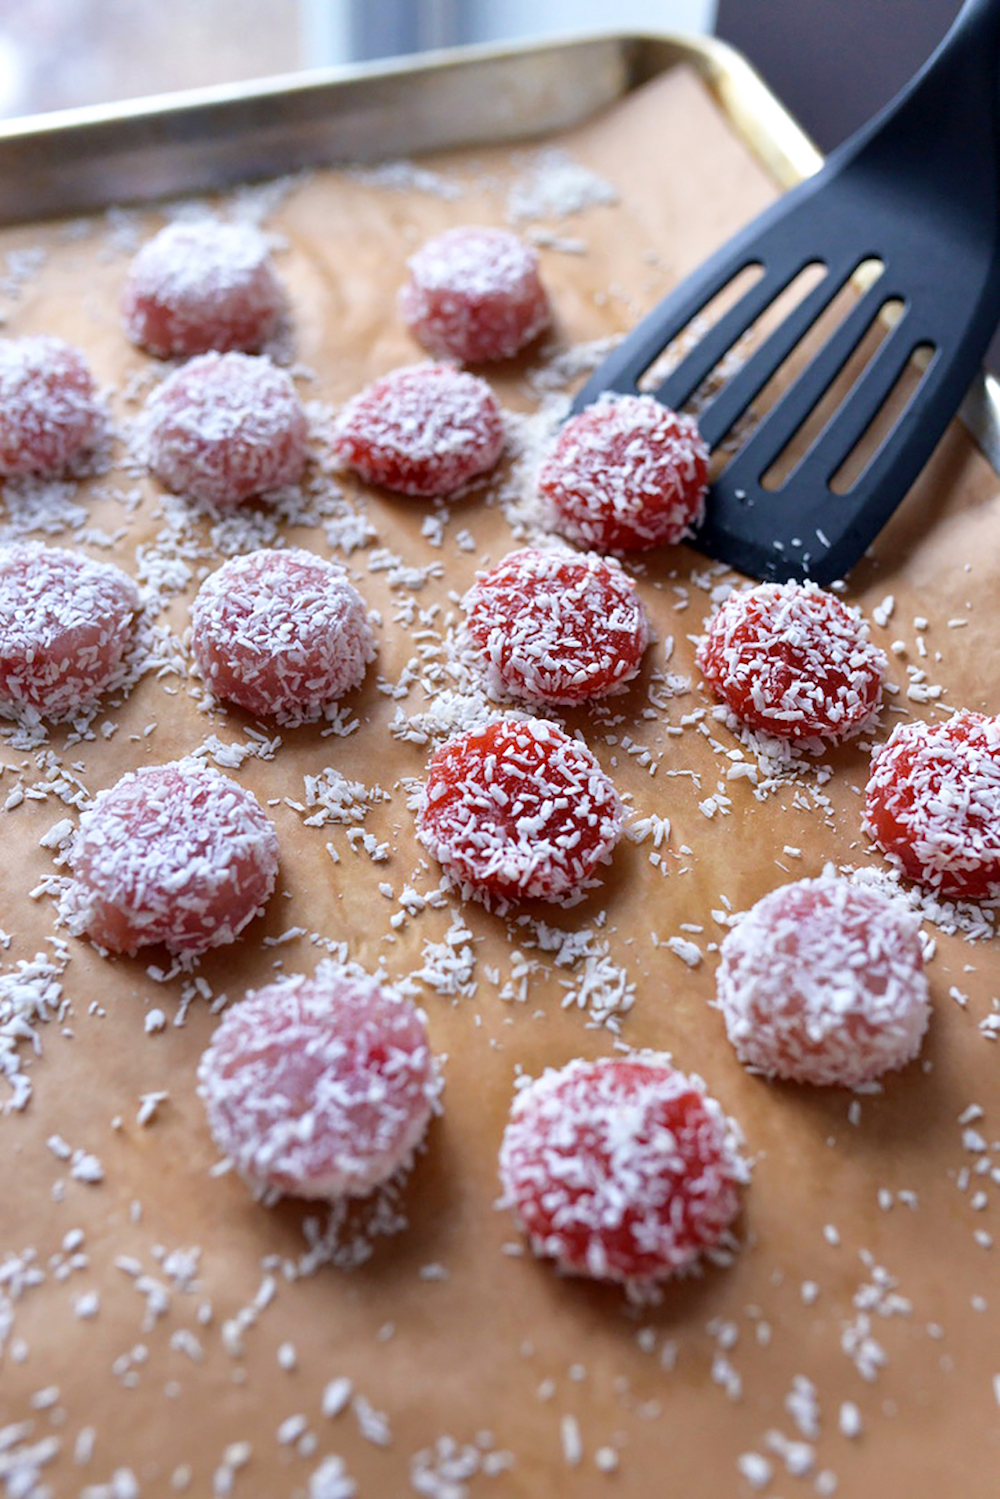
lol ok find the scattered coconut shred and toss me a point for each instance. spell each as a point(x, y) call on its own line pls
point(699, 765)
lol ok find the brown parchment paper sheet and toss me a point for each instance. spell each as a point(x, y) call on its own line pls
point(205, 1371)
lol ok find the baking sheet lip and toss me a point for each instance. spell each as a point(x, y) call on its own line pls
point(742, 92)
point(714, 56)
point(63, 137)
point(319, 80)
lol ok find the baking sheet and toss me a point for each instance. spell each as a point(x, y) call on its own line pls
point(163, 1333)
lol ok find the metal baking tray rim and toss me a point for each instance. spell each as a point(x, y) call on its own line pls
point(138, 150)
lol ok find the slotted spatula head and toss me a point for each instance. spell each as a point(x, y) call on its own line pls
point(913, 200)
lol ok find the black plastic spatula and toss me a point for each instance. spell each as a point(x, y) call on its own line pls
point(913, 200)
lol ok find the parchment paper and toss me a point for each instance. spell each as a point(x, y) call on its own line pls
point(160, 1331)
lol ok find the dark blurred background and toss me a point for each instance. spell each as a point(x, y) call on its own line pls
point(832, 63)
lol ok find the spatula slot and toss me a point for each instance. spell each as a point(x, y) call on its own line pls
point(704, 319)
point(714, 355)
point(829, 357)
point(797, 295)
point(848, 429)
point(885, 421)
point(769, 369)
point(802, 388)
